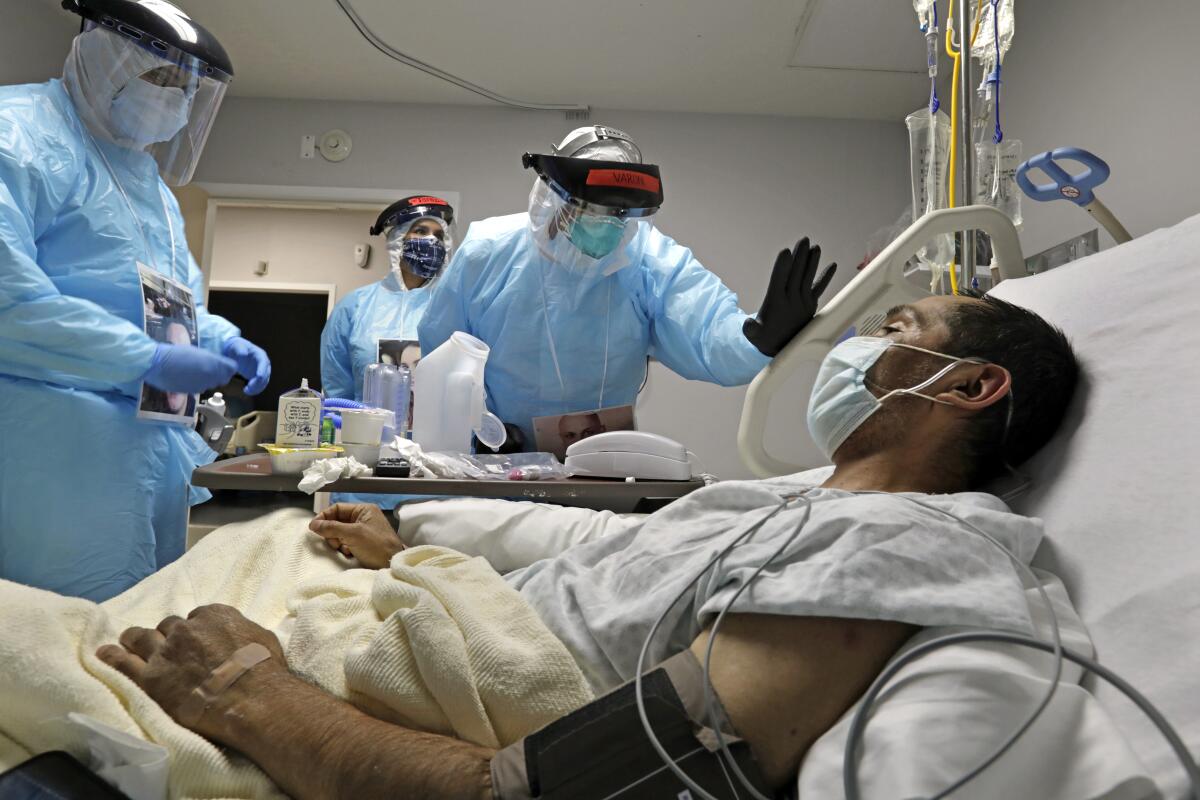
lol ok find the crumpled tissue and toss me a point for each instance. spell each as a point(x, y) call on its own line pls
point(327, 470)
point(433, 465)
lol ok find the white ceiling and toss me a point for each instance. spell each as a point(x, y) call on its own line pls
point(822, 58)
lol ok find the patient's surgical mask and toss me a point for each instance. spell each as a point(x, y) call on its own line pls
point(841, 401)
point(144, 113)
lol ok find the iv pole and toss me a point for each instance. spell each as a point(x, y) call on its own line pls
point(966, 139)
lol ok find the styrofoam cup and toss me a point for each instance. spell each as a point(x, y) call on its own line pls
point(363, 426)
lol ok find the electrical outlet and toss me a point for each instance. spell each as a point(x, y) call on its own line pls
point(308, 146)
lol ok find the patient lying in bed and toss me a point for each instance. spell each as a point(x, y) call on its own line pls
point(863, 572)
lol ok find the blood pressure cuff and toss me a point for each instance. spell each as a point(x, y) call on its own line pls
point(601, 750)
point(55, 775)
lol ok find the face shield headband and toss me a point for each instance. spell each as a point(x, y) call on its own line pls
point(411, 209)
point(601, 188)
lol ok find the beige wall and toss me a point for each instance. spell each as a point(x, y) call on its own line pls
point(299, 246)
point(193, 204)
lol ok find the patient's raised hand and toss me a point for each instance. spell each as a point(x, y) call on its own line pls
point(359, 530)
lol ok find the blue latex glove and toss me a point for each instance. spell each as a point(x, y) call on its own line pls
point(187, 368)
point(252, 363)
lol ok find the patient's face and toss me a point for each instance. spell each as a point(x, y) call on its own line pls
point(925, 324)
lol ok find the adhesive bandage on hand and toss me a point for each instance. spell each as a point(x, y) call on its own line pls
point(220, 679)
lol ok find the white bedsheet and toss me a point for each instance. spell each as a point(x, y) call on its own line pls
point(1119, 487)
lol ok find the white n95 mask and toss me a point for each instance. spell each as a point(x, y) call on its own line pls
point(841, 401)
point(143, 113)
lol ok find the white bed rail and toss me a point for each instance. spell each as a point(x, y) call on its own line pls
point(861, 306)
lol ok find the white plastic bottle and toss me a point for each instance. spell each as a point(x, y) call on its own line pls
point(216, 403)
point(448, 398)
point(299, 422)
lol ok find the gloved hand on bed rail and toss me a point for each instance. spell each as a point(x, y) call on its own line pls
point(791, 299)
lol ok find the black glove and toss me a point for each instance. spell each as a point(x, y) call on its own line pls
point(791, 299)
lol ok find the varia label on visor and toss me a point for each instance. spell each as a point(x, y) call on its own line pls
point(427, 201)
point(623, 178)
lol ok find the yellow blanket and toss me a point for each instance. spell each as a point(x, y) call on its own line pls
point(437, 642)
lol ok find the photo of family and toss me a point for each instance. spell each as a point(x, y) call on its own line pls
point(169, 317)
point(554, 434)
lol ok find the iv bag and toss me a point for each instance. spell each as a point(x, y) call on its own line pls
point(984, 47)
point(924, 9)
point(996, 176)
point(929, 153)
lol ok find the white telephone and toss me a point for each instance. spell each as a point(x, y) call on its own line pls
point(630, 454)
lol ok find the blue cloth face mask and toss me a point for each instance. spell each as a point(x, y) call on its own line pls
point(144, 113)
point(424, 255)
point(841, 401)
point(596, 236)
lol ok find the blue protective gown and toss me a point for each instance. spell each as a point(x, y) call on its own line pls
point(350, 343)
point(91, 499)
point(664, 304)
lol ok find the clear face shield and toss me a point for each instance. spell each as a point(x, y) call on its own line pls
point(143, 94)
point(584, 213)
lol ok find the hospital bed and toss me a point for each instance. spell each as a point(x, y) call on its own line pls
point(1119, 486)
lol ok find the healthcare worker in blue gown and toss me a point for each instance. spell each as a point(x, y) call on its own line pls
point(91, 498)
point(573, 295)
point(420, 237)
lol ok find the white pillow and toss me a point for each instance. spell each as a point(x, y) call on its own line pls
point(1119, 487)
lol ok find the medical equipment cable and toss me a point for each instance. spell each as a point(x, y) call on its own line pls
point(858, 724)
point(848, 776)
point(932, 29)
point(849, 771)
point(391, 52)
point(710, 709)
point(955, 55)
point(1137, 698)
point(641, 662)
point(967, 637)
point(994, 78)
point(852, 791)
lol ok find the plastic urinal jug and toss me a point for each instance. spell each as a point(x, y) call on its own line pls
point(448, 403)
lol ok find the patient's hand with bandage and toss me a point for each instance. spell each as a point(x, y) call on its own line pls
point(177, 662)
point(358, 530)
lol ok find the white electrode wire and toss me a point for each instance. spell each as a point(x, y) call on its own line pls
point(858, 724)
point(710, 705)
point(849, 762)
point(1137, 698)
point(641, 662)
point(429, 69)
